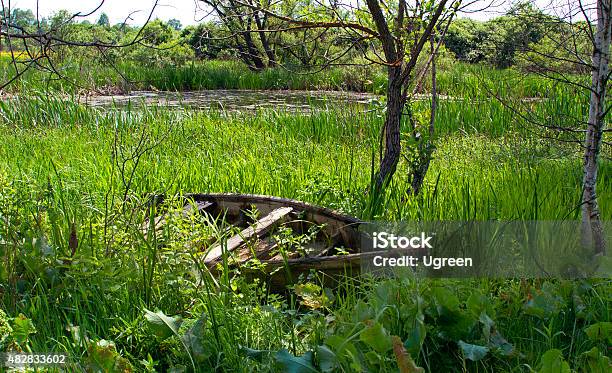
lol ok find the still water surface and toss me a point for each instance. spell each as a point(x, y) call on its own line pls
point(238, 100)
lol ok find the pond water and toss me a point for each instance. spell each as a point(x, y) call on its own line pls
point(237, 100)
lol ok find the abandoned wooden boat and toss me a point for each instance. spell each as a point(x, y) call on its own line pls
point(277, 239)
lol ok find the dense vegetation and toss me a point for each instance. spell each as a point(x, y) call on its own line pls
point(79, 276)
point(170, 57)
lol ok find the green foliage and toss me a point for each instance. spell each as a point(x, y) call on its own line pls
point(196, 341)
point(162, 326)
point(5, 330)
point(157, 33)
point(596, 361)
point(175, 24)
point(546, 56)
point(601, 331)
point(498, 40)
point(376, 337)
point(328, 361)
point(22, 327)
point(102, 356)
point(545, 303)
point(103, 20)
point(464, 39)
point(58, 169)
point(208, 40)
point(295, 364)
point(312, 295)
point(552, 362)
point(473, 352)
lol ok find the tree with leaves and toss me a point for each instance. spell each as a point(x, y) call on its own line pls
point(389, 34)
point(175, 24)
point(103, 20)
point(249, 26)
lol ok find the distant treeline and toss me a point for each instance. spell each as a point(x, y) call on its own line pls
point(523, 38)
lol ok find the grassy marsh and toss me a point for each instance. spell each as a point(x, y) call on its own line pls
point(68, 169)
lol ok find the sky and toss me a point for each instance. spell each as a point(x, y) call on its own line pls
point(187, 11)
point(117, 10)
point(183, 10)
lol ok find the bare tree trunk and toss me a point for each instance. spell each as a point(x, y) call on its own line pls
point(268, 49)
point(245, 56)
point(395, 98)
point(261, 25)
point(592, 229)
point(393, 149)
point(252, 50)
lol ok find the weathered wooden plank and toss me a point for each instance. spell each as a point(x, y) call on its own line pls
point(334, 261)
point(258, 229)
point(260, 250)
point(324, 262)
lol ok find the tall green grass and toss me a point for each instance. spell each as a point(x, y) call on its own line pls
point(292, 155)
point(454, 78)
point(66, 170)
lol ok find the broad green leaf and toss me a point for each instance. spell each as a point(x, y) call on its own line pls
point(455, 326)
point(375, 336)
point(500, 344)
point(22, 328)
point(544, 303)
point(473, 352)
point(416, 336)
point(327, 359)
point(478, 303)
point(294, 364)
point(487, 325)
point(362, 312)
point(552, 362)
point(312, 296)
point(384, 292)
point(161, 325)
point(102, 356)
point(601, 331)
point(446, 300)
point(453, 322)
point(194, 340)
point(373, 358)
point(597, 362)
point(345, 351)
